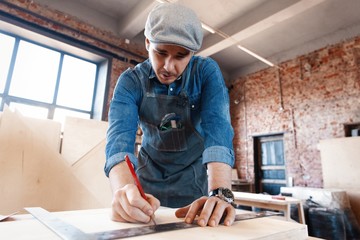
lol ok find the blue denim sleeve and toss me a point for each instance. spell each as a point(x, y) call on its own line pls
point(215, 116)
point(123, 121)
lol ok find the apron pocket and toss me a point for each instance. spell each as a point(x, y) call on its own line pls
point(170, 140)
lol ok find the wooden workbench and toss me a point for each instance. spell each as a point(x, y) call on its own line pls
point(271, 203)
point(96, 220)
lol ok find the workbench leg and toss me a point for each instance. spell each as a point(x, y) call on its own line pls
point(301, 213)
point(288, 212)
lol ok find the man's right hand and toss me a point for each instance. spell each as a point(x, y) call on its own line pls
point(128, 205)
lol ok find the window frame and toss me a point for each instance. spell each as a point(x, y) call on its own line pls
point(56, 41)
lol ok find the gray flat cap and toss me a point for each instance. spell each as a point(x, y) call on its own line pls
point(170, 23)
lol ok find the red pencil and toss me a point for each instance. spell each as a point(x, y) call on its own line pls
point(137, 182)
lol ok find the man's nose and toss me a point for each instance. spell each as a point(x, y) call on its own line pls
point(169, 64)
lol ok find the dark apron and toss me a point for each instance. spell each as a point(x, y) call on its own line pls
point(170, 160)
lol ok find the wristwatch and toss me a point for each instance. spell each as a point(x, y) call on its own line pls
point(224, 194)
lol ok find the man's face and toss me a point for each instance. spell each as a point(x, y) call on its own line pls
point(168, 61)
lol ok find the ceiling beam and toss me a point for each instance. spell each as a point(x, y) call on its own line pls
point(262, 25)
point(133, 23)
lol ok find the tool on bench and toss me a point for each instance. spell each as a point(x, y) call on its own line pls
point(61, 228)
point(138, 231)
point(69, 232)
point(3, 218)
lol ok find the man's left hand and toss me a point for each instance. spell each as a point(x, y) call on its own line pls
point(211, 211)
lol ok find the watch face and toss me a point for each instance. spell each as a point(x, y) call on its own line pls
point(227, 193)
point(224, 194)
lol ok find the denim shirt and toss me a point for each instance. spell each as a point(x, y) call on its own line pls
point(209, 103)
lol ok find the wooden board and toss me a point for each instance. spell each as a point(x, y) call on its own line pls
point(340, 158)
point(10, 169)
point(84, 149)
point(49, 130)
point(90, 171)
point(32, 174)
point(354, 197)
point(97, 220)
point(80, 137)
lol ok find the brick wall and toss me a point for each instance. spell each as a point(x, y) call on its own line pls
point(308, 99)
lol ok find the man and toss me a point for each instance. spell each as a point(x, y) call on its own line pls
point(182, 105)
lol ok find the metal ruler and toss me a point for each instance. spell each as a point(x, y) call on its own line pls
point(7, 216)
point(69, 232)
point(58, 226)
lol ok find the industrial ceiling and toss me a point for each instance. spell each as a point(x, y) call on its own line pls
point(248, 35)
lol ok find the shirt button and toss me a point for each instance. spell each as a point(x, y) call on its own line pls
point(192, 106)
point(171, 89)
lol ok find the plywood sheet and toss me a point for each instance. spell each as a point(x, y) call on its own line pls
point(90, 171)
point(49, 130)
point(354, 197)
point(81, 136)
point(340, 159)
point(32, 174)
point(98, 220)
point(11, 163)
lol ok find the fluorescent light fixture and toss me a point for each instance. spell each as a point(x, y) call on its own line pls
point(255, 55)
point(208, 28)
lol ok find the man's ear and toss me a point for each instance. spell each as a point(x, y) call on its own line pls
point(147, 44)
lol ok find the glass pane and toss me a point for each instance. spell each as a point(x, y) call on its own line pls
point(272, 153)
point(60, 115)
point(273, 174)
point(29, 110)
point(6, 49)
point(76, 83)
point(273, 189)
point(35, 73)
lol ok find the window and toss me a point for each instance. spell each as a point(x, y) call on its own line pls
point(42, 79)
point(34, 73)
point(352, 129)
